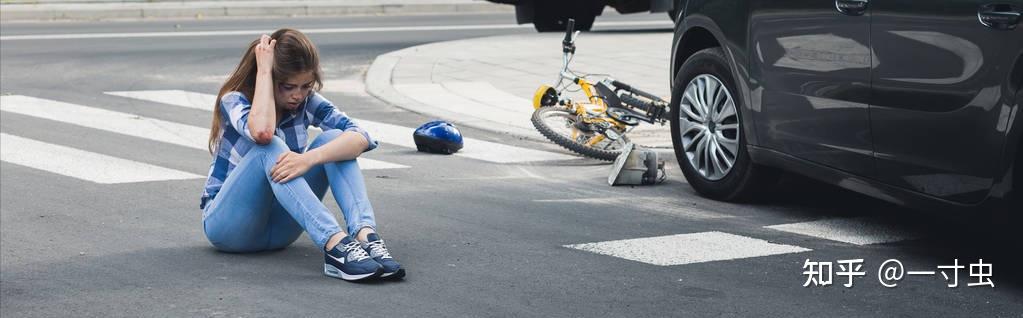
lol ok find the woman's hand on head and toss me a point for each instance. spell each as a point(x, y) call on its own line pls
point(291, 165)
point(265, 53)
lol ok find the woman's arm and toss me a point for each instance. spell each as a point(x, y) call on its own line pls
point(349, 145)
point(262, 116)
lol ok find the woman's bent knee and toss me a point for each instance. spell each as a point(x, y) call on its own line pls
point(275, 143)
point(276, 146)
point(231, 242)
point(236, 246)
point(325, 137)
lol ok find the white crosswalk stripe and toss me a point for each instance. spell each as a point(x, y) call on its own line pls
point(82, 164)
point(690, 248)
point(127, 124)
point(173, 97)
point(383, 132)
point(858, 231)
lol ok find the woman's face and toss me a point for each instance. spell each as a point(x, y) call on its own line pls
point(291, 92)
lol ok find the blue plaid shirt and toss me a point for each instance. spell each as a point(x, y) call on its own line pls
point(235, 139)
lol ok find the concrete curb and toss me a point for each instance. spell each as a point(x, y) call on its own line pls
point(117, 11)
point(460, 82)
point(378, 84)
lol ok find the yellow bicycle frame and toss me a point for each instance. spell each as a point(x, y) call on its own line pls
point(590, 112)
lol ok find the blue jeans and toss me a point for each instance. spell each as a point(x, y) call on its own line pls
point(252, 213)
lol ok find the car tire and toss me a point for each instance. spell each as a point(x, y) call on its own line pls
point(745, 180)
point(551, 16)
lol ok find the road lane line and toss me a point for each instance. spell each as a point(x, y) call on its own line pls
point(73, 36)
point(691, 248)
point(473, 148)
point(858, 231)
point(388, 133)
point(107, 120)
point(658, 205)
point(174, 97)
point(81, 164)
point(128, 124)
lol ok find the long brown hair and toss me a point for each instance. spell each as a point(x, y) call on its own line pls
point(294, 54)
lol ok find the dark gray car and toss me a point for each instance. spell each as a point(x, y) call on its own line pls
point(913, 102)
point(551, 15)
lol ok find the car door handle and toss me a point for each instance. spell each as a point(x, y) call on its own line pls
point(851, 7)
point(999, 16)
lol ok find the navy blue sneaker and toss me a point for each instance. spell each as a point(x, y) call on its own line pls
point(378, 251)
point(348, 261)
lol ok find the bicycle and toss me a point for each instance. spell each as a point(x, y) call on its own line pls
point(598, 127)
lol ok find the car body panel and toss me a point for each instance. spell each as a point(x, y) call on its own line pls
point(940, 100)
point(810, 78)
point(524, 8)
point(986, 104)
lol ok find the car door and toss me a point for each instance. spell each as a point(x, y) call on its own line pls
point(941, 92)
point(810, 80)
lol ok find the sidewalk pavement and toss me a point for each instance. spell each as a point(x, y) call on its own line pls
point(488, 83)
point(24, 10)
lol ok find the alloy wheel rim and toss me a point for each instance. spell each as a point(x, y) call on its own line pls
point(709, 127)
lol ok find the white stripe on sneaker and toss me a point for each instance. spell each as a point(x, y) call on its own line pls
point(82, 164)
point(688, 248)
point(386, 133)
point(128, 124)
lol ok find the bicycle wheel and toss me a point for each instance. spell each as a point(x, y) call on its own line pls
point(558, 123)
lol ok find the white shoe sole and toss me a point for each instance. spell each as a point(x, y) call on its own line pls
point(395, 274)
point(332, 271)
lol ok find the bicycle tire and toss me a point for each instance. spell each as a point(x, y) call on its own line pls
point(567, 143)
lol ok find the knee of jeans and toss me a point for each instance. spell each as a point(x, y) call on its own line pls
point(325, 137)
point(280, 242)
point(225, 244)
point(276, 145)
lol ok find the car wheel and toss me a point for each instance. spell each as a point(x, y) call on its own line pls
point(707, 131)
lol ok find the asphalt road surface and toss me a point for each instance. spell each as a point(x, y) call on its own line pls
point(100, 187)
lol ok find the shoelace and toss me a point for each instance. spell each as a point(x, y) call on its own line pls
point(377, 247)
point(355, 252)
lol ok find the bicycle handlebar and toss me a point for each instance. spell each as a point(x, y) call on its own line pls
point(568, 44)
point(569, 28)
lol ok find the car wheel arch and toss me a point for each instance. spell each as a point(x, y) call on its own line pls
point(694, 39)
point(701, 32)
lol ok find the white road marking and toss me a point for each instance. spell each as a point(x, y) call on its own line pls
point(308, 31)
point(657, 205)
point(81, 164)
point(858, 231)
point(128, 124)
point(174, 97)
point(487, 94)
point(397, 135)
point(438, 96)
point(473, 148)
point(348, 86)
point(107, 120)
point(688, 248)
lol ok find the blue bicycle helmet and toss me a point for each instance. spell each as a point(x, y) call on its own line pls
point(438, 137)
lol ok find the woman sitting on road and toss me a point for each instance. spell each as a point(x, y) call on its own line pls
point(264, 186)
